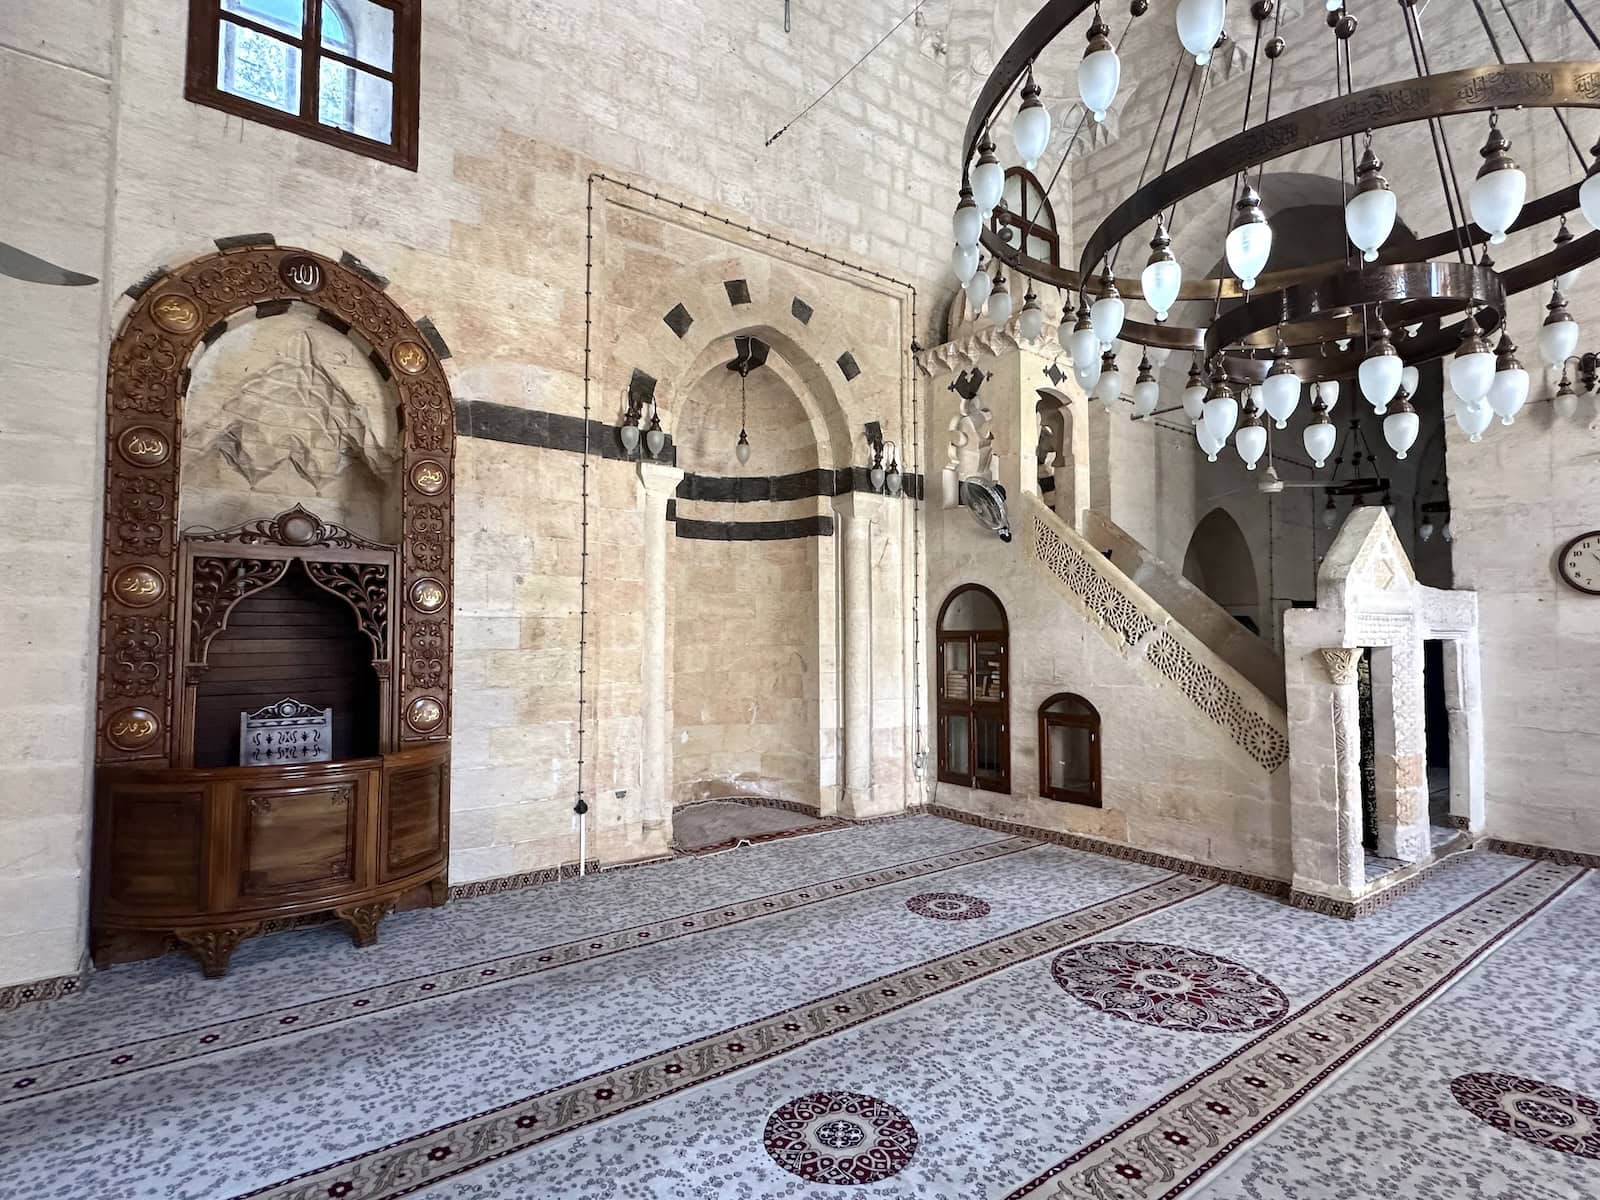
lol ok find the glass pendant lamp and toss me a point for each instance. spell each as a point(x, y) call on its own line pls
point(1100, 71)
point(1589, 190)
point(1162, 277)
point(1472, 369)
point(1320, 435)
point(1146, 391)
point(1222, 410)
point(1568, 279)
point(978, 289)
point(999, 309)
point(1400, 425)
point(1369, 217)
point(1108, 388)
point(1249, 243)
point(1194, 395)
point(1380, 372)
point(1411, 380)
point(964, 262)
point(1251, 439)
point(1108, 311)
point(1199, 26)
point(1328, 391)
point(1509, 391)
point(988, 179)
point(655, 438)
point(1030, 130)
point(1031, 323)
point(1280, 393)
point(1497, 194)
point(968, 221)
point(1566, 400)
point(1473, 418)
point(1558, 339)
point(1085, 348)
point(1208, 443)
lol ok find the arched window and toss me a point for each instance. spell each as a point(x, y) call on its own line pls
point(974, 701)
point(1069, 750)
point(1029, 214)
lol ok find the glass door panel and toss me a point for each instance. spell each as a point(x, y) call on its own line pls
point(989, 665)
point(955, 671)
point(957, 760)
point(990, 749)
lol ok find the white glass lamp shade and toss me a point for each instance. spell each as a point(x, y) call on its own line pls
point(1425, 530)
point(1558, 338)
point(654, 440)
point(968, 221)
point(875, 477)
point(630, 437)
point(1400, 428)
point(1099, 73)
point(1161, 281)
point(1031, 323)
point(1030, 129)
point(1497, 194)
point(988, 179)
point(1280, 395)
point(1330, 514)
point(1568, 279)
point(1199, 26)
point(1509, 392)
point(1566, 400)
point(892, 479)
point(1085, 345)
point(741, 450)
point(1251, 443)
point(1472, 369)
point(1448, 533)
point(1589, 199)
point(1146, 396)
point(1194, 401)
point(1319, 437)
point(1328, 392)
point(1086, 373)
point(1249, 242)
point(1473, 418)
point(999, 307)
point(1221, 415)
point(964, 262)
point(1209, 444)
point(1369, 220)
point(1411, 380)
point(978, 289)
point(1380, 376)
point(1106, 314)
point(1108, 387)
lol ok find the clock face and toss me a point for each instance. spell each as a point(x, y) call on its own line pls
point(1579, 563)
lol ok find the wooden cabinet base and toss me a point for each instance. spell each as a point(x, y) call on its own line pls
point(202, 859)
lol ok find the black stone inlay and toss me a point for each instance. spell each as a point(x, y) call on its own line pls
point(555, 431)
point(754, 531)
point(379, 364)
point(360, 268)
point(1047, 483)
point(801, 485)
point(1055, 374)
point(216, 331)
point(738, 291)
point(672, 510)
point(333, 322)
point(464, 418)
point(678, 320)
point(240, 240)
point(430, 335)
point(847, 364)
point(641, 389)
point(273, 308)
point(144, 285)
point(801, 310)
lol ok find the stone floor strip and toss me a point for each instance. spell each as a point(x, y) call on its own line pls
point(425, 1159)
point(28, 1082)
point(1173, 1144)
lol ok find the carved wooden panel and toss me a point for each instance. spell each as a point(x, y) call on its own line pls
point(146, 376)
point(156, 841)
point(300, 839)
point(417, 803)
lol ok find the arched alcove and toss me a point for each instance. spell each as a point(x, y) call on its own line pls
point(1219, 563)
point(974, 690)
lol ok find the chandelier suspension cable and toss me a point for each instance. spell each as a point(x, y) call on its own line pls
point(1151, 149)
point(1082, 119)
point(1466, 248)
point(1239, 177)
point(1561, 117)
point(1194, 128)
point(1587, 28)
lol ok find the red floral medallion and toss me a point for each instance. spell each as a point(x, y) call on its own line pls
point(1171, 987)
point(1535, 1111)
point(840, 1138)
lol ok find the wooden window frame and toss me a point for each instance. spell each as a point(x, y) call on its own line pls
point(1027, 226)
point(404, 76)
point(1094, 797)
point(972, 708)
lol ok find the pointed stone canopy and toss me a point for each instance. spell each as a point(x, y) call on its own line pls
point(1367, 566)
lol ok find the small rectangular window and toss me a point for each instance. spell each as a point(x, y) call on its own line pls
point(345, 72)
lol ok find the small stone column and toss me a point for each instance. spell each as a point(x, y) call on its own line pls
point(1464, 703)
point(1341, 663)
point(857, 513)
point(658, 484)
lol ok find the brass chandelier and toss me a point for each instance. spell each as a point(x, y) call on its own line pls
point(1376, 313)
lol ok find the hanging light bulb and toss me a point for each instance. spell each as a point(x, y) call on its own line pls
point(1108, 312)
point(1509, 391)
point(1249, 243)
point(1566, 400)
point(1108, 388)
point(1209, 444)
point(742, 450)
point(1100, 71)
point(1320, 435)
point(1558, 340)
point(891, 478)
point(1222, 410)
point(1411, 380)
point(1162, 277)
point(1199, 26)
point(1497, 194)
point(999, 309)
point(1251, 440)
point(1330, 514)
point(978, 289)
point(1085, 349)
point(875, 472)
point(964, 262)
point(988, 179)
point(1568, 279)
point(1472, 369)
point(630, 432)
point(1031, 323)
point(1425, 531)
point(1146, 391)
point(1280, 394)
point(1370, 215)
point(1473, 418)
point(1030, 130)
point(1194, 394)
point(1328, 390)
point(1449, 530)
point(1589, 191)
point(1400, 425)
point(1380, 372)
point(968, 221)
point(654, 438)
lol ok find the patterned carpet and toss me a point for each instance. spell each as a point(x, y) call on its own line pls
point(912, 1009)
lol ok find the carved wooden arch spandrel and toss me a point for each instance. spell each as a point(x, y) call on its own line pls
point(146, 376)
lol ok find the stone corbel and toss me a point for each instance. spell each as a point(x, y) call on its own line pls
point(1340, 663)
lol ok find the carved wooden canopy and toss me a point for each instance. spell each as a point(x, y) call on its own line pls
point(146, 378)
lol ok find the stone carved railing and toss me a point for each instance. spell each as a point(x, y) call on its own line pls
point(1140, 628)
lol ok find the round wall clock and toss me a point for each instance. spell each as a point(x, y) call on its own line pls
point(1579, 563)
